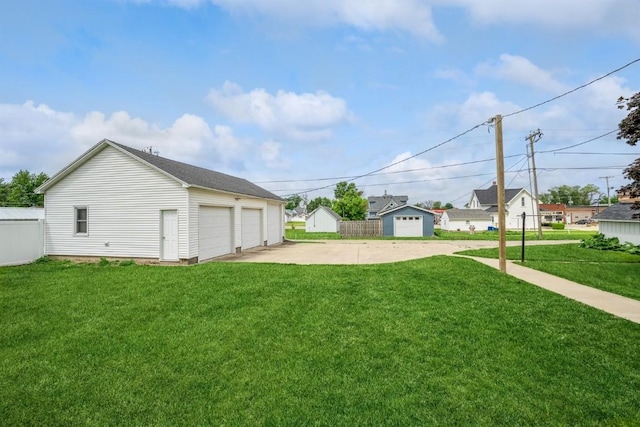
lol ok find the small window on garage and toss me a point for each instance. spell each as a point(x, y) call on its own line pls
point(81, 220)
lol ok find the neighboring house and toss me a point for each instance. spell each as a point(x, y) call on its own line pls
point(323, 220)
point(437, 215)
point(116, 201)
point(553, 212)
point(461, 219)
point(295, 215)
point(576, 213)
point(517, 201)
point(379, 204)
point(617, 221)
point(407, 221)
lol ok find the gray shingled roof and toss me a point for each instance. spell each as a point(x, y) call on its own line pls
point(467, 214)
point(376, 203)
point(200, 177)
point(618, 212)
point(489, 196)
point(329, 211)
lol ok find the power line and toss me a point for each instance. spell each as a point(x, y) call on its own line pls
point(573, 90)
point(388, 173)
point(599, 154)
point(483, 124)
point(580, 143)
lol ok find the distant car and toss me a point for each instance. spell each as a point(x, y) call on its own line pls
point(584, 221)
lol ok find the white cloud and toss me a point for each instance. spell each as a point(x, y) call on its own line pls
point(40, 139)
point(520, 70)
point(272, 156)
point(612, 16)
point(307, 116)
point(412, 16)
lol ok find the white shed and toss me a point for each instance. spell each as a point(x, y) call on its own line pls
point(462, 219)
point(116, 201)
point(323, 220)
point(618, 221)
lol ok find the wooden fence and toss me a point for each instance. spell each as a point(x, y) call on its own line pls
point(371, 228)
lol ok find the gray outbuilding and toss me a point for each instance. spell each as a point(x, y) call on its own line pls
point(407, 221)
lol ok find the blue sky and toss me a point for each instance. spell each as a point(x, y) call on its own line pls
point(300, 95)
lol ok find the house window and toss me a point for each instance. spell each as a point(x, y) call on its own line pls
point(81, 220)
point(522, 201)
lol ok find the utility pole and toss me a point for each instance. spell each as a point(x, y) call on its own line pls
point(535, 137)
point(607, 179)
point(502, 247)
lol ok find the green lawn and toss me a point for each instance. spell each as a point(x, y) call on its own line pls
point(611, 271)
point(301, 234)
point(437, 341)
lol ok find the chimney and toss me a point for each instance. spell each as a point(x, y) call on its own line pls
point(494, 183)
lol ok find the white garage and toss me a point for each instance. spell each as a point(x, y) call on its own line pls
point(408, 226)
point(251, 228)
point(215, 232)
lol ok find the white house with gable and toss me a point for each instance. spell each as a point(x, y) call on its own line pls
point(115, 201)
point(517, 201)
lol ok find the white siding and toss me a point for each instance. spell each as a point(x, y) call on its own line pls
point(463, 225)
point(624, 231)
point(124, 198)
point(322, 222)
point(515, 209)
point(21, 242)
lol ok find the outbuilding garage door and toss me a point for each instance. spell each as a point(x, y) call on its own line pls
point(275, 223)
point(251, 228)
point(408, 226)
point(214, 232)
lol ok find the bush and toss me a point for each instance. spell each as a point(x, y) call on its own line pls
point(600, 242)
point(557, 226)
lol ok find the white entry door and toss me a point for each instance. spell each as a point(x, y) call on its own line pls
point(170, 235)
point(408, 226)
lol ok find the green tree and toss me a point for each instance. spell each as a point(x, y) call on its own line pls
point(344, 188)
point(629, 130)
point(4, 192)
point(449, 205)
point(22, 189)
point(317, 202)
point(349, 202)
point(572, 195)
point(293, 202)
point(351, 207)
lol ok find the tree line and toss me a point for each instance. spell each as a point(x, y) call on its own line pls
point(20, 191)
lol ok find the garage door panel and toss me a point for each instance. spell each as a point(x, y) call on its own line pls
point(408, 226)
point(215, 231)
point(275, 224)
point(251, 228)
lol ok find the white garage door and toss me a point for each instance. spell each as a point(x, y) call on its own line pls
point(275, 224)
point(251, 228)
point(214, 232)
point(408, 226)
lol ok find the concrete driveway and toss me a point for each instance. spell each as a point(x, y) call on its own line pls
point(362, 251)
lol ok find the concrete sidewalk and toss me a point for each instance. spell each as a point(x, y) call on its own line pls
point(617, 305)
